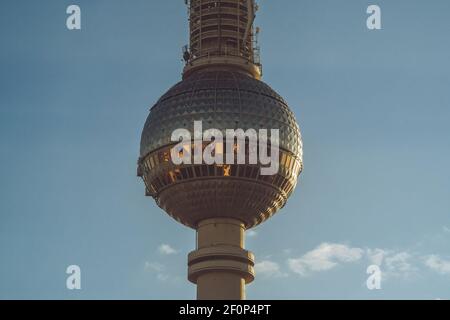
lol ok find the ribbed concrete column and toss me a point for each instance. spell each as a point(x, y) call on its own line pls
point(220, 266)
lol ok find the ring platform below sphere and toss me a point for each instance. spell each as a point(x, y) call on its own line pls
point(221, 100)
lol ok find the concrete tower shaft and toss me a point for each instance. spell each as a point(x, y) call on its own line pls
point(222, 34)
point(221, 88)
point(220, 266)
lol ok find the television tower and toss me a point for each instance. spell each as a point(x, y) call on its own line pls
point(221, 86)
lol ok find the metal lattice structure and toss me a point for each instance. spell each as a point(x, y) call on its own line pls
point(221, 32)
point(231, 36)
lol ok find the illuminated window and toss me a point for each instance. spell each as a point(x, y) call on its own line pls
point(218, 150)
point(288, 162)
point(293, 164)
point(227, 170)
point(283, 160)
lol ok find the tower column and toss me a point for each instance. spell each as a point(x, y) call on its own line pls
point(222, 35)
point(220, 266)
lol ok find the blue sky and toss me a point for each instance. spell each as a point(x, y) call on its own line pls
point(373, 107)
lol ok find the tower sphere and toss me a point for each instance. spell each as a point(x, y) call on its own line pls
point(232, 175)
point(222, 99)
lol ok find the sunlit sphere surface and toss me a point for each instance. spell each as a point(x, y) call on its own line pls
point(221, 100)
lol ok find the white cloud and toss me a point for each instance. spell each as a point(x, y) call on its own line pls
point(399, 264)
point(269, 268)
point(376, 256)
point(436, 263)
point(325, 257)
point(158, 269)
point(162, 277)
point(392, 263)
point(154, 266)
point(446, 229)
point(330, 255)
point(166, 249)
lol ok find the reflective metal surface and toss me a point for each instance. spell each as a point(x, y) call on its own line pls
point(222, 100)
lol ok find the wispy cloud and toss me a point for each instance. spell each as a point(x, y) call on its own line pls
point(166, 249)
point(162, 277)
point(400, 264)
point(269, 268)
point(325, 257)
point(158, 269)
point(376, 256)
point(328, 256)
point(161, 273)
point(154, 266)
point(393, 263)
point(438, 264)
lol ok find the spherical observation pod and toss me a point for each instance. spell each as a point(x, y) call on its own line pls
point(222, 100)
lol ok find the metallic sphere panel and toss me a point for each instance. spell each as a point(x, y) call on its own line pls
point(222, 100)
